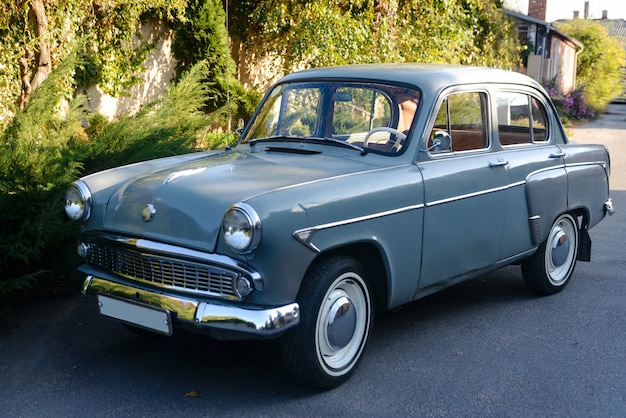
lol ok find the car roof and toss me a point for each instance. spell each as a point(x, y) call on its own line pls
point(431, 76)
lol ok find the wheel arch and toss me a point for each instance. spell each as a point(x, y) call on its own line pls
point(371, 257)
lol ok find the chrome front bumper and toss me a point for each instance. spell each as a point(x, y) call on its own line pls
point(218, 317)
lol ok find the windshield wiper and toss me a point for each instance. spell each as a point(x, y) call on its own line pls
point(285, 138)
point(278, 138)
point(344, 144)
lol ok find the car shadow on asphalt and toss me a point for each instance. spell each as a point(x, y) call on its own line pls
point(96, 350)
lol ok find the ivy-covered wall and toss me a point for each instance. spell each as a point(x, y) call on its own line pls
point(160, 66)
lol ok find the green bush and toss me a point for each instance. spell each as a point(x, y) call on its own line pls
point(599, 66)
point(35, 166)
point(165, 127)
point(45, 147)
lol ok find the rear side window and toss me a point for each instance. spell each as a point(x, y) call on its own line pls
point(462, 121)
point(521, 119)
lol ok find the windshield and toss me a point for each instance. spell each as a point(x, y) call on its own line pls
point(371, 116)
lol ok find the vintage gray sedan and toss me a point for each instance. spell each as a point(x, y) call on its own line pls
point(352, 188)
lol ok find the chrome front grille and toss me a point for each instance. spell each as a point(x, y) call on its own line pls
point(182, 275)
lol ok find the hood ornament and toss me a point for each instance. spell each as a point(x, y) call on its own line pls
point(147, 214)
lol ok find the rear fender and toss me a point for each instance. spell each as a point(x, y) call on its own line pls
point(546, 193)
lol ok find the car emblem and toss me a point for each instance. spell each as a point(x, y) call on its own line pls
point(148, 212)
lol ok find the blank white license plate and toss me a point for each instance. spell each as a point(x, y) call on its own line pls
point(153, 319)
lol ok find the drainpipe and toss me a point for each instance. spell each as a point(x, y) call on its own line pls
point(543, 52)
point(582, 48)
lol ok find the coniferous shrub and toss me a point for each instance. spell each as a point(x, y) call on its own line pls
point(35, 166)
point(167, 126)
point(46, 147)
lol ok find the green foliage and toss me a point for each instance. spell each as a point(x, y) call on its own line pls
point(321, 33)
point(203, 36)
point(35, 167)
point(46, 147)
point(114, 51)
point(599, 65)
point(471, 32)
point(332, 32)
point(217, 140)
point(164, 127)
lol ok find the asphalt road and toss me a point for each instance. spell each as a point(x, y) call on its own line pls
point(488, 347)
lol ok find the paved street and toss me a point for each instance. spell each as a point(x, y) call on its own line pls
point(610, 130)
point(488, 347)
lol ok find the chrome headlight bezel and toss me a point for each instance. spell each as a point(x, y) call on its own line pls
point(241, 228)
point(78, 201)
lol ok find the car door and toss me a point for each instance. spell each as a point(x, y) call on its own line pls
point(465, 190)
point(527, 138)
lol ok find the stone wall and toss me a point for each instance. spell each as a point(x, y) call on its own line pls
point(160, 65)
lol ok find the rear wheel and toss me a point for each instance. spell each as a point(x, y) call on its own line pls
point(549, 270)
point(336, 314)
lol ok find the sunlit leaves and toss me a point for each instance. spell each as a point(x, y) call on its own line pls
point(331, 32)
point(599, 64)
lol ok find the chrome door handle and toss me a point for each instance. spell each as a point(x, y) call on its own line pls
point(498, 163)
point(557, 155)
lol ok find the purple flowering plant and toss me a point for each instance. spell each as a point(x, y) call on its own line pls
point(571, 105)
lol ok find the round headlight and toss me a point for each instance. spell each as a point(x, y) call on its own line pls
point(78, 201)
point(241, 228)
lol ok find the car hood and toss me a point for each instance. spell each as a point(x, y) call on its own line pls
point(189, 200)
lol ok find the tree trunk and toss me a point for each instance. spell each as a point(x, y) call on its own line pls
point(42, 65)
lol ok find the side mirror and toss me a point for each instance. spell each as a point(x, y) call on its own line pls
point(240, 126)
point(441, 142)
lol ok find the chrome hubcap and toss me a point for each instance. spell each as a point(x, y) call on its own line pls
point(341, 323)
point(560, 248)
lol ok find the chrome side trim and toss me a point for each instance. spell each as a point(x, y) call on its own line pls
point(474, 194)
point(535, 229)
point(600, 163)
point(261, 322)
point(542, 170)
point(305, 235)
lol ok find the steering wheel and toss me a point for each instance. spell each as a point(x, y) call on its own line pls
point(399, 135)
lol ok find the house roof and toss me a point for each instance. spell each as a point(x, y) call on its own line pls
point(615, 27)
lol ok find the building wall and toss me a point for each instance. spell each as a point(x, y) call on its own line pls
point(160, 65)
point(563, 68)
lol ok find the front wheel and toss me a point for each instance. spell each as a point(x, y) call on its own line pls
point(336, 319)
point(548, 270)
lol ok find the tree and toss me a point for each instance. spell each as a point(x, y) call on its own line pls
point(203, 36)
point(599, 65)
point(330, 32)
point(36, 34)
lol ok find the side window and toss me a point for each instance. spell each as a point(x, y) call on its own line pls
point(521, 119)
point(539, 121)
point(461, 123)
point(357, 109)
